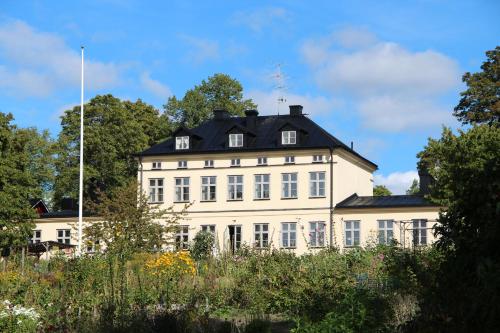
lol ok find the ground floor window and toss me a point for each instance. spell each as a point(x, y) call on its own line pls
point(93, 246)
point(208, 228)
point(64, 236)
point(234, 233)
point(385, 231)
point(288, 234)
point(419, 232)
point(182, 237)
point(316, 234)
point(36, 237)
point(351, 233)
point(261, 235)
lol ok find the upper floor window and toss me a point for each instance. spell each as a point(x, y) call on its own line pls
point(182, 189)
point(182, 237)
point(317, 234)
point(156, 190)
point(182, 142)
point(261, 160)
point(289, 185)
point(261, 186)
point(64, 236)
point(209, 163)
point(317, 184)
point(37, 237)
point(236, 140)
point(419, 232)
point(317, 158)
point(351, 233)
point(235, 162)
point(385, 231)
point(288, 234)
point(156, 165)
point(261, 235)
point(289, 159)
point(208, 188)
point(235, 187)
point(288, 137)
point(182, 164)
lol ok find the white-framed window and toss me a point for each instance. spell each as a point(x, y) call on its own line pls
point(419, 232)
point(261, 235)
point(93, 246)
point(182, 237)
point(261, 160)
point(262, 186)
point(317, 234)
point(235, 187)
point(288, 137)
point(36, 237)
point(351, 233)
point(208, 188)
point(156, 190)
point(236, 140)
point(183, 164)
point(289, 159)
point(317, 184)
point(208, 228)
point(317, 158)
point(181, 189)
point(288, 234)
point(156, 165)
point(288, 185)
point(385, 231)
point(235, 162)
point(182, 142)
point(209, 163)
point(64, 236)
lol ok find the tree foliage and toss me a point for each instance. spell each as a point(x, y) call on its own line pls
point(219, 91)
point(381, 190)
point(480, 103)
point(414, 188)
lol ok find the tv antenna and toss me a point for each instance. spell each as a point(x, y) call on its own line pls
point(280, 85)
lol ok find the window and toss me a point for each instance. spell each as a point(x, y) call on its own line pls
point(156, 166)
point(261, 186)
point(351, 233)
point(236, 140)
point(208, 228)
point(317, 184)
point(182, 189)
point(208, 188)
point(37, 237)
point(182, 237)
point(262, 161)
point(92, 247)
point(156, 190)
point(288, 137)
point(317, 234)
point(235, 187)
point(289, 159)
point(64, 236)
point(288, 234)
point(317, 158)
point(182, 164)
point(182, 142)
point(288, 185)
point(261, 235)
point(385, 231)
point(209, 163)
point(419, 232)
point(235, 162)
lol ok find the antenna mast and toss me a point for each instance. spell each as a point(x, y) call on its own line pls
point(280, 86)
point(80, 194)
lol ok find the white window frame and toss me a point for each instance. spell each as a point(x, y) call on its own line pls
point(235, 162)
point(181, 142)
point(182, 164)
point(352, 233)
point(63, 236)
point(236, 140)
point(156, 186)
point(181, 189)
point(182, 237)
point(93, 246)
point(419, 232)
point(317, 233)
point(288, 137)
point(262, 160)
point(289, 159)
point(262, 186)
point(261, 236)
point(385, 231)
point(317, 159)
point(36, 237)
point(287, 230)
point(290, 185)
point(233, 184)
point(156, 165)
point(209, 163)
point(317, 186)
point(208, 228)
point(208, 188)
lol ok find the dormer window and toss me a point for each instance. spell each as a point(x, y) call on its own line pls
point(182, 142)
point(288, 137)
point(236, 140)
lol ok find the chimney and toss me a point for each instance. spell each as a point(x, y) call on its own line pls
point(69, 204)
point(251, 119)
point(220, 114)
point(426, 180)
point(296, 110)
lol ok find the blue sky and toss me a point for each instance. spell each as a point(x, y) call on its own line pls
point(383, 74)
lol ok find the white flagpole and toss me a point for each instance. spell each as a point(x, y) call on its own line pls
point(80, 197)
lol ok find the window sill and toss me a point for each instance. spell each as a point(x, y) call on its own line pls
point(187, 201)
point(288, 247)
point(156, 169)
point(181, 168)
point(208, 167)
point(155, 202)
point(261, 164)
point(234, 200)
point(235, 166)
point(351, 246)
point(318, 162)
point(317, 247)
point(291, 198)
point(261, 199)
point(322, 197)
point(289, 163)
point(208, 200)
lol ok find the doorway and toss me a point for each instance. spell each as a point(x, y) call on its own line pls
point(234, 237)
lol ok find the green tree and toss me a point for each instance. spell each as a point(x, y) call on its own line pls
point(380, 190)
point(414, 188)
point(219, 91)
point(480, 103)
point(114, 131)
point(203, 245)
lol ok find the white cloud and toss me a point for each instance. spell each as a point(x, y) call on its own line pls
point(155, 86)
point(201, 49)
point(261, 18)
point(397, 182)
point(40, 62)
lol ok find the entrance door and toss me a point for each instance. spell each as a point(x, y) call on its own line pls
point(235, 237)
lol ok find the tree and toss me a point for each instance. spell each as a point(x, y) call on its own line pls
point(203, 245)
point(218, 92)
point(414, 188)
point(480, 103)
point(381, 190)
point(466, 169)
point(113, 132)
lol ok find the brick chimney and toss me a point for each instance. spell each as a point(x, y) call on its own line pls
point(296, 110)
point(251, 119)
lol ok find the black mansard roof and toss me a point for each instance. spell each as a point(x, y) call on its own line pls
point(387, 201)
point(211, 136)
